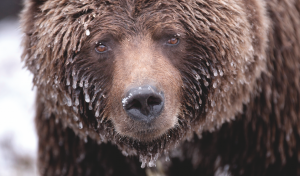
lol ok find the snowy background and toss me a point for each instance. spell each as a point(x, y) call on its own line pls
point(18, 140)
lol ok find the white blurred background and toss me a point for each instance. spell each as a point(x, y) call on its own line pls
point(18, 140)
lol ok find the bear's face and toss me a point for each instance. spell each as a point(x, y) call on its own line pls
point(145, 86)
point(144, 75)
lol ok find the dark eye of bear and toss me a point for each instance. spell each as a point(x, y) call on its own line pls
point(173, 41)
point(101, 48)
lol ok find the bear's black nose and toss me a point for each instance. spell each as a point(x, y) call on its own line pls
point(143, 103)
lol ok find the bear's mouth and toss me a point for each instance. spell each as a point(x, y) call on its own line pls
point(145, 128)
point(147, 131)
point(148, 134)
point(143, 131)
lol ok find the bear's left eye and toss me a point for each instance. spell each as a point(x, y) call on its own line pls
point(101, 48)
point(173, 41)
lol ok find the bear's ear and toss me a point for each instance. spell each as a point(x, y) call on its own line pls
point(33, 4)
point(37, 3)
point(31, 7)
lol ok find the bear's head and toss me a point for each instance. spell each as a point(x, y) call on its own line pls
point(144, 75)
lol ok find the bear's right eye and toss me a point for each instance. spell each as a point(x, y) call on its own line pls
point(101, 48)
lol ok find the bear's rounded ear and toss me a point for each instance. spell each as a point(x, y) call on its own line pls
point(31, 7)
point(33, 4)
point(37, 3)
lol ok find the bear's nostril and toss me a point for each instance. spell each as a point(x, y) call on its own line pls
point(143, 103)
point(134, 104)
point(153, 101)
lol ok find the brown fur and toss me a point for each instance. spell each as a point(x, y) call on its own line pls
point(233, 80)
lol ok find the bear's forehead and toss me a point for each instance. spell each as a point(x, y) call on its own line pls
point(138, 17)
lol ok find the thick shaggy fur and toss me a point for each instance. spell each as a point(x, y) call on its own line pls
point(232, 86)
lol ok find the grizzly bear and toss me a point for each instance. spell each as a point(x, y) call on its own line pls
point(165, 87)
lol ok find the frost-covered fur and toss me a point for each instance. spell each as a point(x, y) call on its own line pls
point(239, 84)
